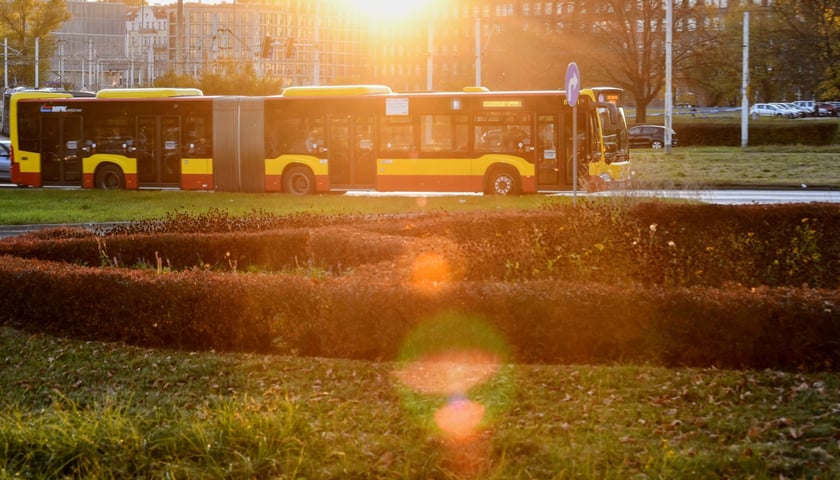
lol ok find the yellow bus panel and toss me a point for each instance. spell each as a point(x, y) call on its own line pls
point(196, 166)
point(148, 92)
point(336, 90)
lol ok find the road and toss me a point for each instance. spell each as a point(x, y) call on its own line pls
point(723, 197)
point(734, 197)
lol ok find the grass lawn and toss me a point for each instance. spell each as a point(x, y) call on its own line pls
point(709, 167)
point(94, 410)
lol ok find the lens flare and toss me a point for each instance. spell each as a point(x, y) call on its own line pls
point(449, 373)
point(460, 418)
point(452, 370)
point(454, 377)
point(430, 271)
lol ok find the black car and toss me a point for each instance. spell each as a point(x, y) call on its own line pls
point(650, 136)
point(5, 163)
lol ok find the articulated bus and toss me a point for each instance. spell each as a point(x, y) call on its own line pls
point(122, 138)
point(318, 139)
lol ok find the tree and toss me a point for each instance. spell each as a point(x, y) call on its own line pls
point(628, 46)
point(232, 79)
point(708, 56)
point(21, 22)
point(811, 32)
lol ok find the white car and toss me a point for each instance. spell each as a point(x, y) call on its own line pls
point(806, 105)
point(795, 110)
point(5, 163)
point(768, 110)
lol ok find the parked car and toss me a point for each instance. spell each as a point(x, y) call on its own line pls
point(5, 162)
point(808, 106)
point(827, 109)
point(798, 112)
point(650, 136)
point(767, 110)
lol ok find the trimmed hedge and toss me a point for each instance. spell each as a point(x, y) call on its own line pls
point(362, 318)
point(762, 133)
point(697, 285)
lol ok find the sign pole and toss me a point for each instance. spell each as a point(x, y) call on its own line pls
point(574, 155)
point(572, 91)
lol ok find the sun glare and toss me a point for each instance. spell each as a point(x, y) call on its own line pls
point(389, 9)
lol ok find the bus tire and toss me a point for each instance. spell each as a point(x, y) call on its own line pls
point(298, 180)
point(502, 182)
point(109, 177)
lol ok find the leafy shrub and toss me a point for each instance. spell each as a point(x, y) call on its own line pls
point(760, 133)
point(674, 284)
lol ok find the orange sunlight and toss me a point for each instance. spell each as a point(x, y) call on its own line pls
point(388, 9)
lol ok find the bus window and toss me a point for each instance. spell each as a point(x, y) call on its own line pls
point(197, 134)
point(28, 129)
point(397, 134)
point(497, 132)
point(109, 134)
point(488, 138)
point(443, 133)
point(297, 135)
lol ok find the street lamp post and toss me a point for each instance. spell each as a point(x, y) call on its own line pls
point(669, 102)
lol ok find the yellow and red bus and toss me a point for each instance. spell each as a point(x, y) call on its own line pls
point(317, 139)
point(122, 138)
point(320, 139)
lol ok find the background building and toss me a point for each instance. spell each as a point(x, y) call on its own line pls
point(91, 47)
point(501, 44)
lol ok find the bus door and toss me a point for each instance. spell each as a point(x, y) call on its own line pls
point(61, 161)
point(351, 158)
point(551, 171)
point(158, 143)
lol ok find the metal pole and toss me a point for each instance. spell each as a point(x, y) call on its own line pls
point(179, 35)
point(477, 51)
point(429, 62)
point(317, 74)
point(5, 63)
point(669, 102)
point(745, 84)
point(37, 60)
point(574, 155)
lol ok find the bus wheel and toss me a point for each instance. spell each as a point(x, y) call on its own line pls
point(502, 182)
point(299, 181)
point(109, 177)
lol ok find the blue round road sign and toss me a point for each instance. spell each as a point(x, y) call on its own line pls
point(572, 83)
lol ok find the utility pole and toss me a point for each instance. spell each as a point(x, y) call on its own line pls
point(37, 60)
point(669, 101)
point(477, 51)
point(745, 85)
point(316, 75)
point(179, 36)
point(430, 60)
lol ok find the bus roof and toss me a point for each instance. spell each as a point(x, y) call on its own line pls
point(148, 92)
point(336, 90)
point(20, 95)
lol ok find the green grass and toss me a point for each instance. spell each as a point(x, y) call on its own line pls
point(95, 410)
point(707, 167)
point(33, 206)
